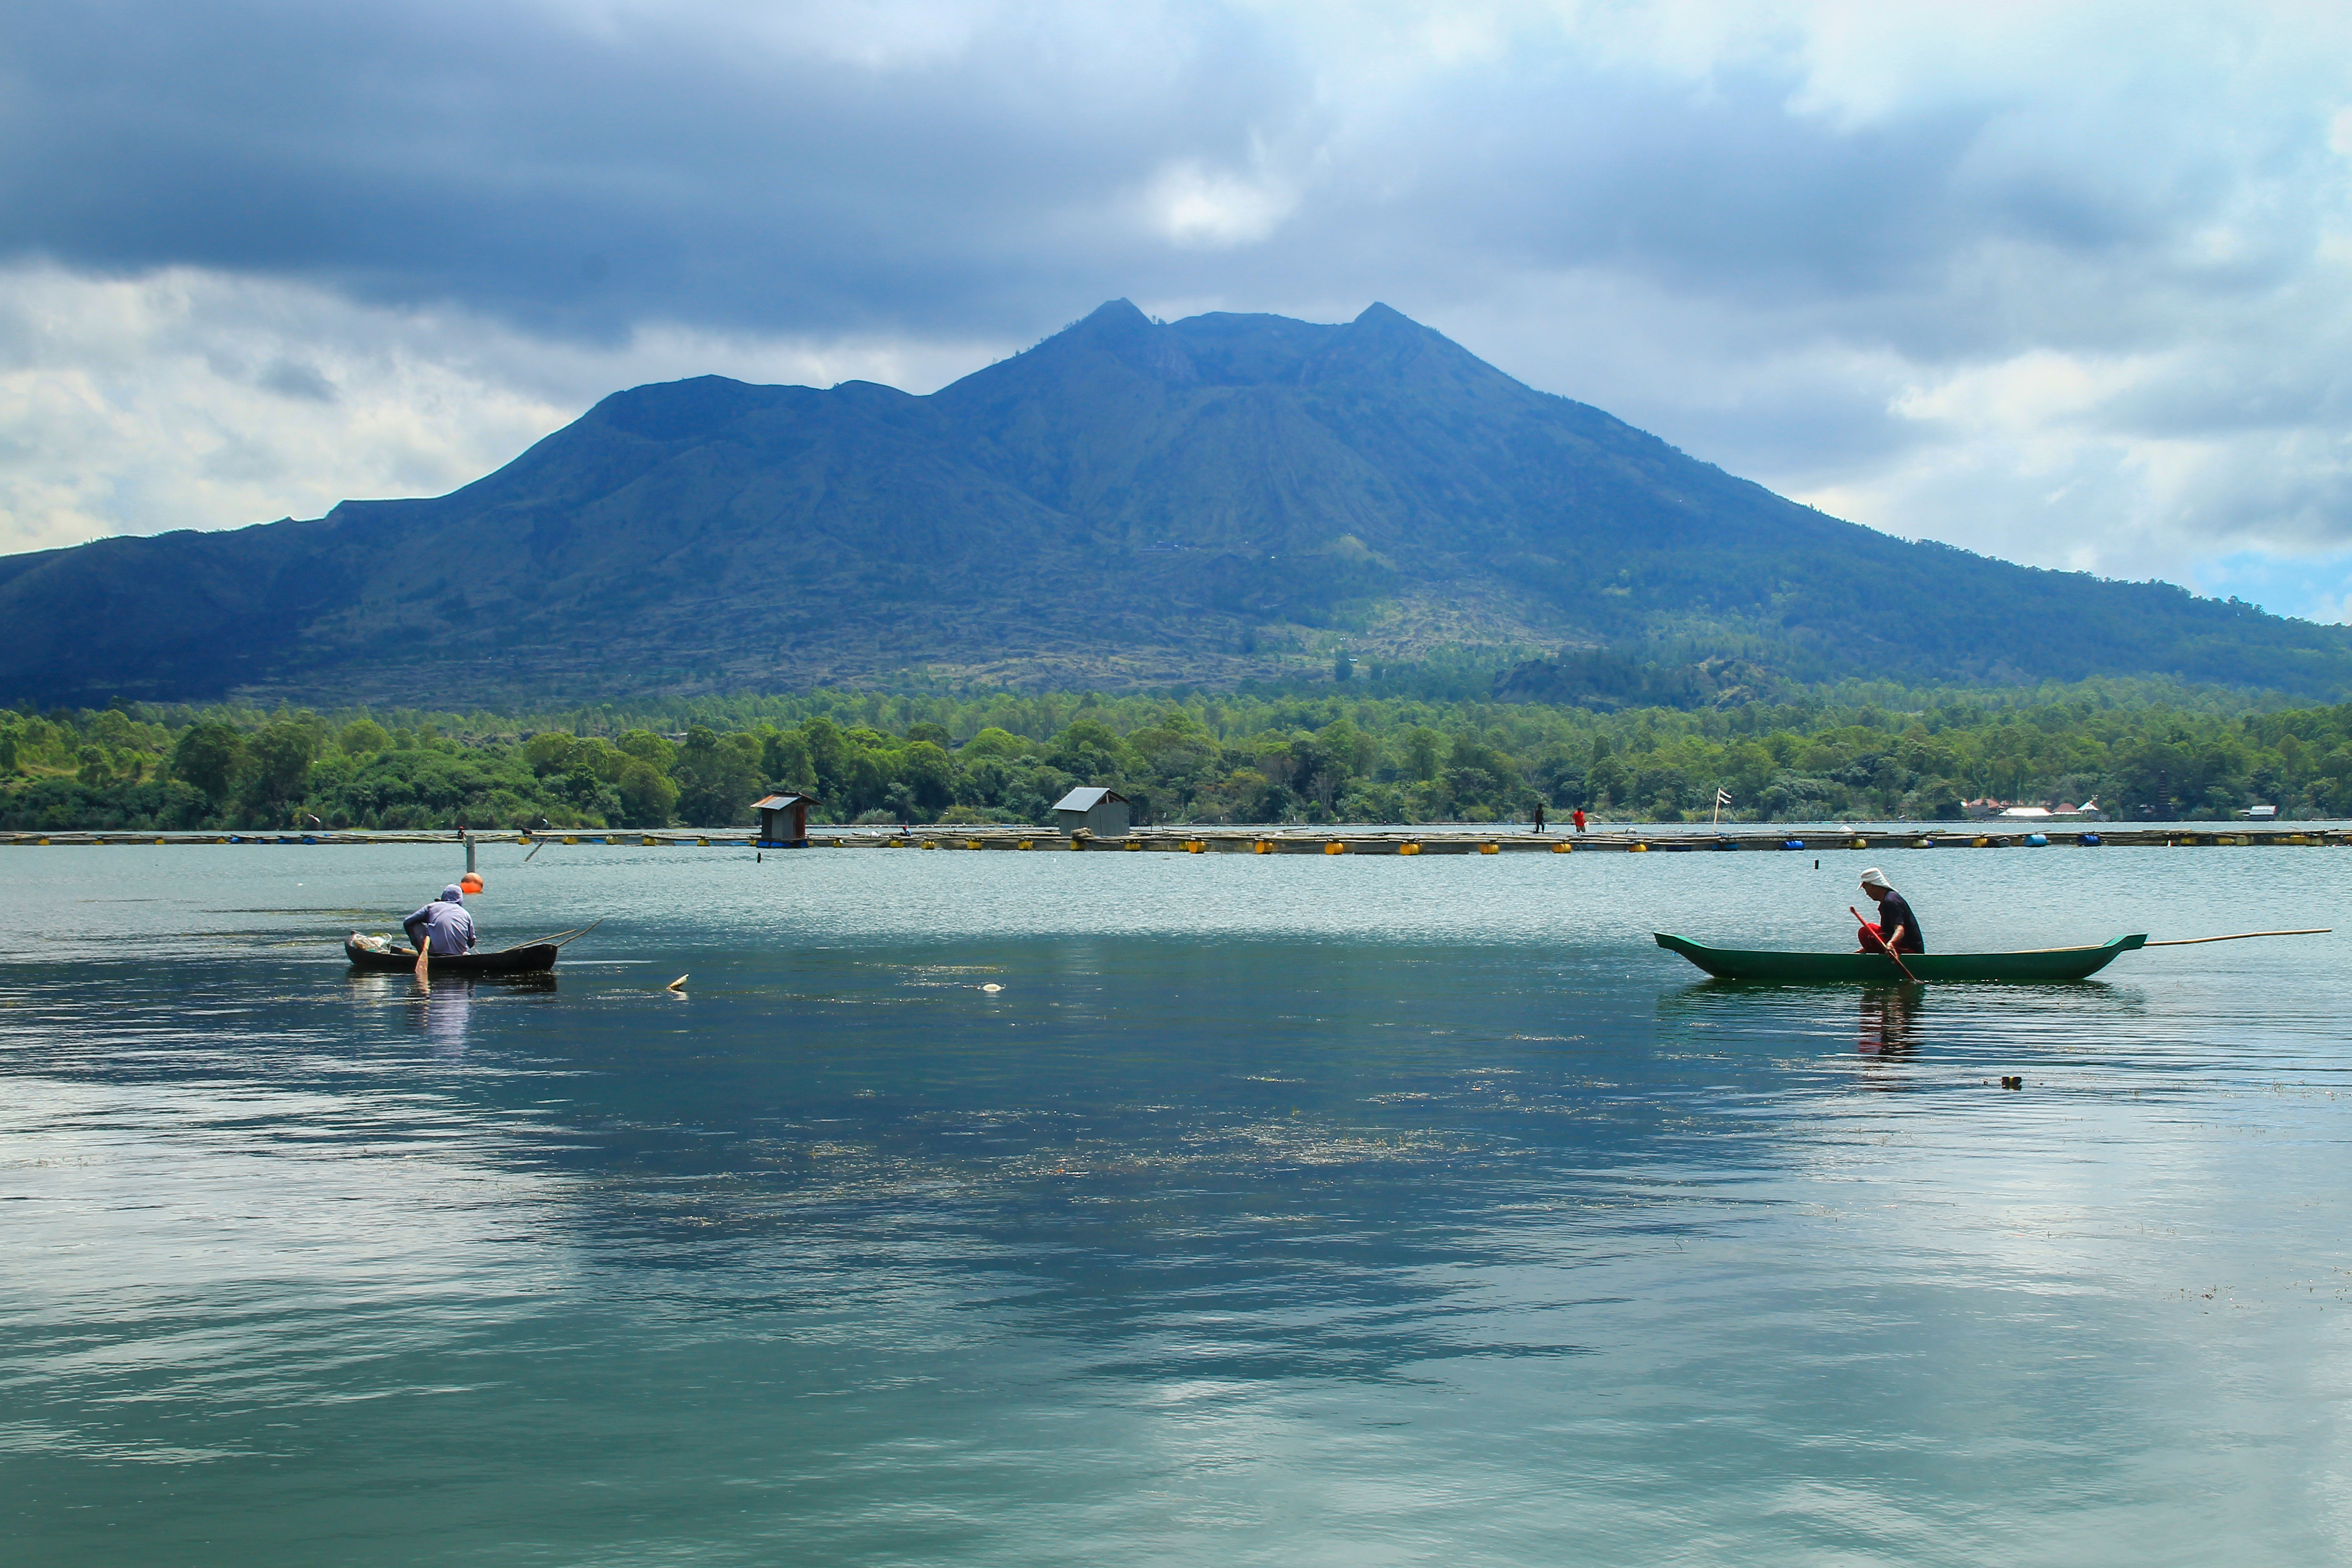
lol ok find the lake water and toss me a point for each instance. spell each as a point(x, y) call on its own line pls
point(1276, 1211)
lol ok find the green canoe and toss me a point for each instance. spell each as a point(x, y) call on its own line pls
point(2045, 964)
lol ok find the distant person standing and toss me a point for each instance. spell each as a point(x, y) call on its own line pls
point(1576, 816)
point(1539, 819)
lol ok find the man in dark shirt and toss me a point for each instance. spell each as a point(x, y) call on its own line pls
point(1897, 927)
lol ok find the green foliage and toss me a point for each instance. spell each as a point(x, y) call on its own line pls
point(1313, 754)
point(364, 737)
point(279, 760)
point(209, 755)
point(64, 805)
point(649, 748)
point(717, 780)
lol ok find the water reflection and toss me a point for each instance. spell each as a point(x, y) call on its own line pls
point(441, 1013)
point(1888, 1017)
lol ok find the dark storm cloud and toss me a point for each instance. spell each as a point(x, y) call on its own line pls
point(581, 171)
point(516, 159)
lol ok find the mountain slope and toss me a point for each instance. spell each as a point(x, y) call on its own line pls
point(1126, 502)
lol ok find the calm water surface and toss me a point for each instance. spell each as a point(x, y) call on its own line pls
point(1276, 1211)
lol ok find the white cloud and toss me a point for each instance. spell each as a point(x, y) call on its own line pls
point(1194, 205)
point(190, 398)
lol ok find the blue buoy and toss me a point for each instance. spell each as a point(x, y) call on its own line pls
point(1793, 844)
point(2089, 840)
point(2036, 840)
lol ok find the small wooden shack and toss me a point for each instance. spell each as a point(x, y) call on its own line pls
point(1101, 812)
point(783, 822)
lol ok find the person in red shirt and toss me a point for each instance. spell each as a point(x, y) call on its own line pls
point(1578, 817)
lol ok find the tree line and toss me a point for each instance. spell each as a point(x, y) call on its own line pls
point(1189, 757)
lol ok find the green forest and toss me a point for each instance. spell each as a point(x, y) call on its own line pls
point(1316, 755)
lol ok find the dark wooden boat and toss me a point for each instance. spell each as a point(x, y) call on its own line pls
point(539, 959)
point(2035, 967)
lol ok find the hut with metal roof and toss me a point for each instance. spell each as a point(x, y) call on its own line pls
point(1101, 812)
point(783, 822)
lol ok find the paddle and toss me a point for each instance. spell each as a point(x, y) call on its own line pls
point(1881, 941)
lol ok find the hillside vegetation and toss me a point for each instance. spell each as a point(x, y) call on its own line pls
point(1007, 756)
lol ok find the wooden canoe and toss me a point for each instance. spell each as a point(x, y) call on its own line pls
point(1875, 968)
point(536, 959)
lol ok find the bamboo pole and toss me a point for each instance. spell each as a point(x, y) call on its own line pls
point(2239, 936)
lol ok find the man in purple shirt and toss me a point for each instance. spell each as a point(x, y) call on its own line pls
point(444, 922)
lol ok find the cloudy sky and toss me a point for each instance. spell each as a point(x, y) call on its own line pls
point(2067, 284)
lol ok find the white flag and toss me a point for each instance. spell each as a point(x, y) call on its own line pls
point(1723, 796)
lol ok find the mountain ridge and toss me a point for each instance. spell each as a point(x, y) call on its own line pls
point(1125, 503)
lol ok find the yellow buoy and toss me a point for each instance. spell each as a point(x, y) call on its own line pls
point(1490, 849)
point(971, 843)
point(569, 840)
point(1335, 849)
point(648, 843)
point(1858, 844)
point(1408, 849)
point(1263, 847)
point(1641, 849)
point(1563, 848)
point(1025, 844)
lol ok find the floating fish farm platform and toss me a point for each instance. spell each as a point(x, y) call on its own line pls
point(1615, 839)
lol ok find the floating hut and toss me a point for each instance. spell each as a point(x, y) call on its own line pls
point(1101, 812)
point(783, 822)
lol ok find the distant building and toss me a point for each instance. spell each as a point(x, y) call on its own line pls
point(783, 822)
point(1102, 812)
point(2063, 811)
